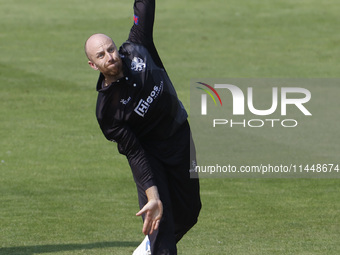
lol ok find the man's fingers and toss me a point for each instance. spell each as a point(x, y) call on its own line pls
point(153, 211)
point(153, 227)
point(156, 224)
point(150, 225)
point(146, 227)
point(142, 211)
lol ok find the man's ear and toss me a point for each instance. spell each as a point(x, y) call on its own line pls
point(93, 66)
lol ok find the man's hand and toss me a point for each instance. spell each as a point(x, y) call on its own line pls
point(153, 211)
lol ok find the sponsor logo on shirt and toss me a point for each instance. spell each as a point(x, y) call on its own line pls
point(137, 64)
point(135, 19)
point(144, 105)
point(125, 101)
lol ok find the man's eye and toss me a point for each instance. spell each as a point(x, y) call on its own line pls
point(101, 55)
point(111, 50)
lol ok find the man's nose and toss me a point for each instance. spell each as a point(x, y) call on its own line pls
point(109, 56)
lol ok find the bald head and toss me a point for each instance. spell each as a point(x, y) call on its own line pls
point(94, 41)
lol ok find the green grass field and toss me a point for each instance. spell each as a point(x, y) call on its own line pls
point(66, 190)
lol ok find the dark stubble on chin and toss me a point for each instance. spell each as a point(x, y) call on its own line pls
point(115, 70)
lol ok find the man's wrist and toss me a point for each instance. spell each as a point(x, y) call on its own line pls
point(152, 193)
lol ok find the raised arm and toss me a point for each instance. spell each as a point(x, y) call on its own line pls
point(144, 16)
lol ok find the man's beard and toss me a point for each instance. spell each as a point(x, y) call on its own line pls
point(114, 68)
